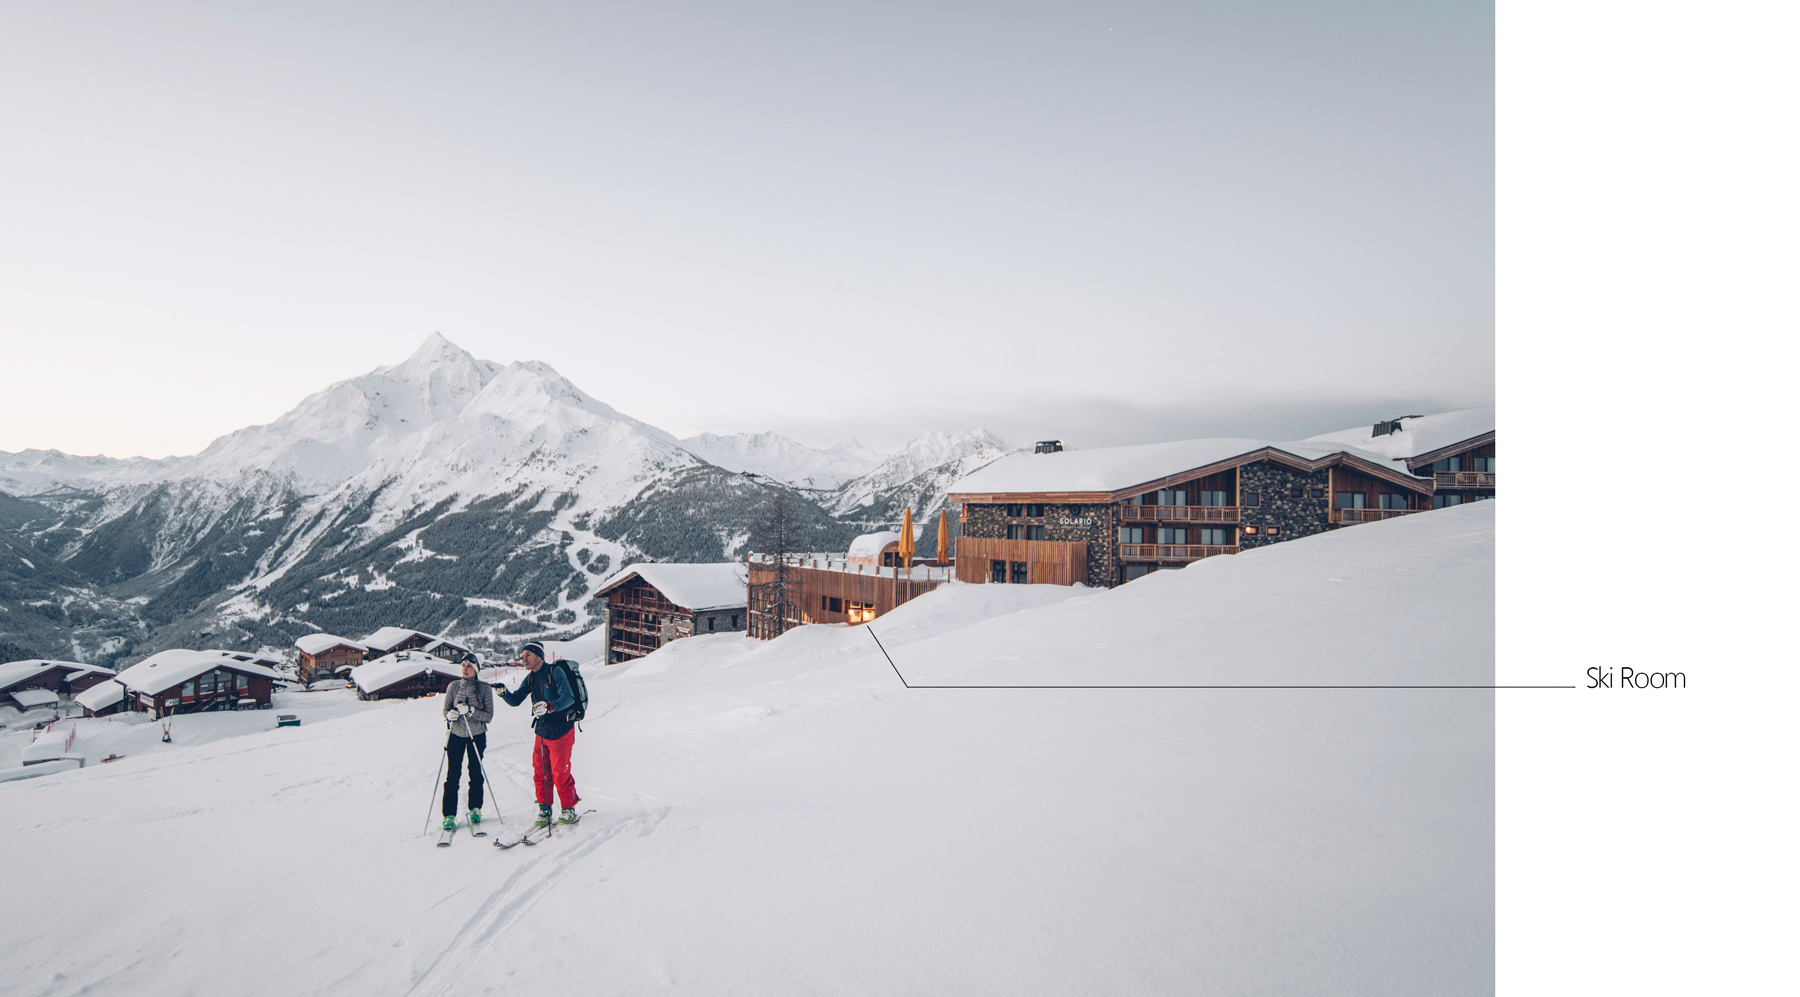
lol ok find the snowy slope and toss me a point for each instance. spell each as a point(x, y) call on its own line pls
point(787, 818)
point(784, 459)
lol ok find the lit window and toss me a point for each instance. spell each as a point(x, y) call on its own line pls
point(1250, 530)
point(1270, 531)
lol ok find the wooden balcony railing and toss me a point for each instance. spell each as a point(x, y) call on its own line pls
point(1180, 513)
point(1368, 515)
point(1465, 479)
point(1173, 552)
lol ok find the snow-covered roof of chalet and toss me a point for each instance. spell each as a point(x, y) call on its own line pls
point(320, 642)
point(385, 638)
point(99, 697)
point(1117, 469)
point(168, 669)
point(14, 672)
point(870, 545)
point(28, 698)
point(443, 643)
point(373, 676)
point(1418, 436)
point(690, 586)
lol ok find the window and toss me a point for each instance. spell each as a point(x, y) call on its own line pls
point(1172, 496)
point(997, 571)
point(1215, 537)
point(187, 691)
point(1296, 492)
point(1447, 465)
point(1136, 571)
point(1484, 464)
point(1392, 501)
point(1015, 532)
point(243, 682)
point(1018, 572)
point(861, 612)
point(734, 621)
point(1034, 533)
point(1445, 501)
point(837, 604)
point(1350, 500)
point(1250, 530)
point(1134, 500)
point(1316, 492)
point(1483, 498)
point(1214, 498)
point(1015, 509)
point(1034, 510)
point(206, 683)
point(712, 623)
point(1131, 534)
point(1171, 534)
point(1253, 498)
point(1270, 531)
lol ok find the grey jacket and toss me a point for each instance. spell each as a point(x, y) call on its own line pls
point(481, 706)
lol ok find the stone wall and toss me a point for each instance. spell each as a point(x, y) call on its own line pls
point(1297, 517)
point(720, 620)
point(1067, 523)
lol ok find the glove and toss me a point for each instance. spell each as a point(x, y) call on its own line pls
point(462, 709)
point(540, 708)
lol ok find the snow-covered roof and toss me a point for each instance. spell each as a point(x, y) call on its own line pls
point(1111, 469)
point(168, 669)
point(14, 672)
point(28, 698)
point(373, 676)
point(321, 642)
point(1417, 436)
point(444, 644)
point(100, 696)
point(691, 586)
point(387, 637)
point(869, 546)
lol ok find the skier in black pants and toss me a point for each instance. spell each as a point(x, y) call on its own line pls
point(468, 706)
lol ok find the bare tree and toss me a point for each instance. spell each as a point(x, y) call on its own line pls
point(777, 534)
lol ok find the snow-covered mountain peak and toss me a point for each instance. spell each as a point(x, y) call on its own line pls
point(785, 459)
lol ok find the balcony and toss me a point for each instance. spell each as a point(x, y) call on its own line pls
point(1174, 552)
point(1179, 513)
point(1348, 516)
point(1464, 479)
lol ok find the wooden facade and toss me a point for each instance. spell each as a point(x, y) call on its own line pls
point(822, 590)
point(1035, 562)
point(325, 664)
point(640, 618)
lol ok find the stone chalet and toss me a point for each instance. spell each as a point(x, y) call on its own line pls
point(1105, 516)
point(648, 605)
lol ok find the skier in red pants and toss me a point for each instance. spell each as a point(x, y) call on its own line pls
point(551, 698)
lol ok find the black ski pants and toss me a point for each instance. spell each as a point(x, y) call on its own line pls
point(460, 745)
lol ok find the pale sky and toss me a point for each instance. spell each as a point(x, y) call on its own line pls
point(1107, 223)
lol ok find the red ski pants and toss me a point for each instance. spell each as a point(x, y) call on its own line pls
point(550, 765)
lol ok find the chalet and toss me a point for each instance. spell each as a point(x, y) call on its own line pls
point(1103, 517)
point(1453, 449)
point(184, 681)
point(648, 605)
point(389, 640)
point(323, 656)
point(404, 675)
point(102, 700)
point(855, 587)
point(33, 679)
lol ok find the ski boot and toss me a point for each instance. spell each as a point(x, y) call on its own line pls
point(543, 817)
point(449, 823)
point(569, 817)
point(474, 816)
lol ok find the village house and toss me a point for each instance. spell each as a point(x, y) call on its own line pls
point(324, 656)
point(648, 605)
point(860, 585)
point(1106, 516)
point(404, 675)
point(389, 640)
point(41, 682)
point(184, 681)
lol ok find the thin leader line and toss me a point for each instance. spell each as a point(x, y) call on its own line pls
point(909, 685)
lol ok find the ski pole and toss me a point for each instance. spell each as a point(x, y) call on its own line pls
point(443, 756)
point(484, 773)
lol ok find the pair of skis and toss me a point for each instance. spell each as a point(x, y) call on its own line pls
point(536, 834)
point(444, 837)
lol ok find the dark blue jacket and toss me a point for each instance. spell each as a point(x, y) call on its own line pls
point(546, 685)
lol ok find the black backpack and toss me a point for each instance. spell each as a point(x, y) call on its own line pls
point(577, 685)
